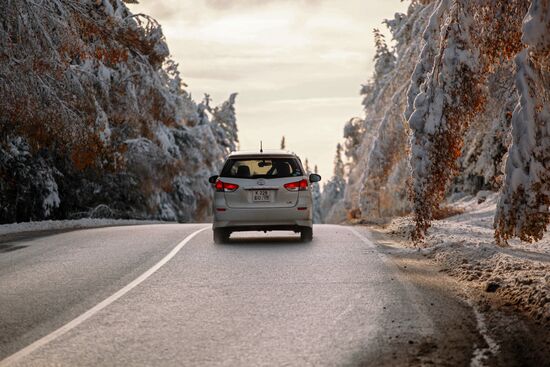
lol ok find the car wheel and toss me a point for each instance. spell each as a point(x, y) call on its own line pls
point(221, 235)
point(306, 234)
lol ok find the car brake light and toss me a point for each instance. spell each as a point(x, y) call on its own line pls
point(225, 186)
point(296, 186)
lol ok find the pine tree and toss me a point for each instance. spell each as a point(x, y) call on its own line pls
point(338, 163)
point(354, 131)
point(316, 197)
point(204, 110)
point(333, 191)
point(384, 59)
point(225, 121)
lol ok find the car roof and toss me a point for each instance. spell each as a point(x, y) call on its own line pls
point(265, 153)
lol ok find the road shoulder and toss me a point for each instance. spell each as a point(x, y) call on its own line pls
point(520, 339)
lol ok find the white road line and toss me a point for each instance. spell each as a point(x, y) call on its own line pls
point(100, 306)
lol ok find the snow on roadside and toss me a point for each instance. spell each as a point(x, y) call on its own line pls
point(481, 354)
point(48, 225)
point(464, 246)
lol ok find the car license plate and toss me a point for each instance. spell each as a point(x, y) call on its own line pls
point(261, 195)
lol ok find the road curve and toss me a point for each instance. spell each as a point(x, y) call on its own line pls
point(258, 300)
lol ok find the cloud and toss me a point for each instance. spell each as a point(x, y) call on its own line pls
point(229, 4)
point(201, 10)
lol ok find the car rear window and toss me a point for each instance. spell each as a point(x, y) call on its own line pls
point(262, 168)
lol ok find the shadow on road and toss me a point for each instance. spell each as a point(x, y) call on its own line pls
point(267, 241)
point(10, 248)
point(9, 240)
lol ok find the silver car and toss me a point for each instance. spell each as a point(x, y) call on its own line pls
point(262, 191)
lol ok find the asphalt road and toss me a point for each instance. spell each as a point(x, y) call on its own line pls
point(258, 300)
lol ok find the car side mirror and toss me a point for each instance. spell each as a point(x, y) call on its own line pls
point(212, 179)
point(314, 178)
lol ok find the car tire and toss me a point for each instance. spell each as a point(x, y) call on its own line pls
point(306, 234)
point(221, 235)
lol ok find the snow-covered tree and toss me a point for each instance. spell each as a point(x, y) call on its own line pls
point(338, 162)
point(448, 84)
point(93, 114)
point(471, 60)
point(429, 47)
point(384, 62)
point(459, 102)
point(450, 99)
point(204, 110)
point(523, 209)
point(384, 59)
point(377, 144)
point(354, 131)
point(333, 191)
point(224, 120)
point(316, 195)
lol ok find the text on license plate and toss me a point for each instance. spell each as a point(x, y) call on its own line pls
point(261, 195)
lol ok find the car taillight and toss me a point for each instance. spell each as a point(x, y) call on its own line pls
point(296, 186)
point(224, 186)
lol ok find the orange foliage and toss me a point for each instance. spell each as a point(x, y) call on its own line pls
point(111, 56)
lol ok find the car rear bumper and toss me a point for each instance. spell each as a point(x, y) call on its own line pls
point(265, 219)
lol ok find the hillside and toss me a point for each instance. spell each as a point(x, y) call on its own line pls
point(95, 120)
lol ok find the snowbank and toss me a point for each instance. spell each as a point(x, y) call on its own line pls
point(465, 247)
point(54, 225)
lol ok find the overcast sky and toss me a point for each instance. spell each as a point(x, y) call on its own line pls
point(296, 64)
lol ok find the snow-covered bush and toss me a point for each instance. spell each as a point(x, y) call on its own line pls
point(31, 191)
point(91, 92)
